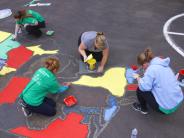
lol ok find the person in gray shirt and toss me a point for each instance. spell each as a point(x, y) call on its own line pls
point(94, 43)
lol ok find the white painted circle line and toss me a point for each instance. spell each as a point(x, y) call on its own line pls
point(166, 33)
point(175, 33)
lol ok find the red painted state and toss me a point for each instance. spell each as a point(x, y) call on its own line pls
point(68, 128)
point(14, 87)
point(18, 56)
point(132, 87)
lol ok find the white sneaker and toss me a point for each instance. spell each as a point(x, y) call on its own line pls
point(20, 31)
point(137, 107)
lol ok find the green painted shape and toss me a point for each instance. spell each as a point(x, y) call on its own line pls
point(6, 46)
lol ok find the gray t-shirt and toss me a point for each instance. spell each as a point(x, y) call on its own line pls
point(88, 38)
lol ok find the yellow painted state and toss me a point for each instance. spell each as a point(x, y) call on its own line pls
point(4, 35)
point(113, 80)
point(39, 51)
point(5, 70)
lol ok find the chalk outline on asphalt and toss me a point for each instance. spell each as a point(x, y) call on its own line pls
point(99, 127)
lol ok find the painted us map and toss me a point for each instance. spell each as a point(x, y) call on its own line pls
point(79, 119)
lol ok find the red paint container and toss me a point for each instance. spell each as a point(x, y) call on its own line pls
point(181, 75)
point(70, 101)
point(134, 67)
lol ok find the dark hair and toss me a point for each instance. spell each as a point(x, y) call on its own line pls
point(145, 56)
point(21, 14)
point(99, 33)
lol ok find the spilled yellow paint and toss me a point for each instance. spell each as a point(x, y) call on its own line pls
point(4, 35)
point(113, 80)
point(39, 51)
point(5, 70)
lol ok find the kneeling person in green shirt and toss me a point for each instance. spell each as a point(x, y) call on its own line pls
point(42, 83)
point(31, 20)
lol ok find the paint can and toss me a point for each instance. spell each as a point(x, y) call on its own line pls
point(181, 75)
point(92, 64)
point(134, 67)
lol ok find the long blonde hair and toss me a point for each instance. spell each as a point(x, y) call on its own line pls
point(52, 64)
point(145, 57)
point(100, 40)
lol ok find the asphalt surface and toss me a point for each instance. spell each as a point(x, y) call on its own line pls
point(130, 26)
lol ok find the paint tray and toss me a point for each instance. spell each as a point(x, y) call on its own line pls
point(70, 101)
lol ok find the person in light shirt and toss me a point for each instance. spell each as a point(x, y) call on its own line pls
point(94, 43)
point(158, 87)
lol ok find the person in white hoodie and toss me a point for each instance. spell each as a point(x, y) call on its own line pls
point(158, 87)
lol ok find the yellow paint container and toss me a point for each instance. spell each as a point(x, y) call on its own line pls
point(91, 63)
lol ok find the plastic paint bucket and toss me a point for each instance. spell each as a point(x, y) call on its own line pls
point(181, 75)
point(70, 100)
point(91, 63)
point(134, 67)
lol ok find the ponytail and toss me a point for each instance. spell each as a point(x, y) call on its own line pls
point(100, 40)
point(148, 54)
point(145, 56)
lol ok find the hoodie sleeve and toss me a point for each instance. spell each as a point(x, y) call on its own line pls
point(146, 83)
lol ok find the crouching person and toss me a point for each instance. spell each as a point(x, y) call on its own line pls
point(158, 87)
point(34, 96)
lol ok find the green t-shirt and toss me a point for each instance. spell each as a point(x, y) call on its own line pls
point(36, 15)
point(42, 83)
point(27, 20)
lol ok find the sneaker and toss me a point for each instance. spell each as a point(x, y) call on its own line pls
point(22, 104)
point(20, 31)
point(137, 107)
point(26, 112)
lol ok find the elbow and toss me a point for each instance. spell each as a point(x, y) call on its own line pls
point(144, 88)
point(79, 50)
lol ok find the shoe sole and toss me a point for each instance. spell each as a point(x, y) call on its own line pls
point(144, 113)
point(25, 114)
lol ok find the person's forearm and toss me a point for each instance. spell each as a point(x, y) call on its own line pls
point(138, 79)
point(104, 61)
point(17, 27)
point(105, 57)
point(63, 89)
point(83, 53)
